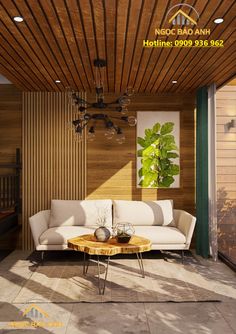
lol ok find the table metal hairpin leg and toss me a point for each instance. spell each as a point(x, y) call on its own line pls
point(140, 262)
point(86, 264)
point(102, 289)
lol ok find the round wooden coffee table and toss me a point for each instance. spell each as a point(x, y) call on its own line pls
point(88, 244)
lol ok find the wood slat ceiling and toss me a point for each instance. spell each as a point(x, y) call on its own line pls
point(59, 39)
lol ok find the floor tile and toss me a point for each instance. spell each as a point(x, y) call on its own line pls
point(189, 318)
point(11, 316)
point(117, 318)
point(228, 312)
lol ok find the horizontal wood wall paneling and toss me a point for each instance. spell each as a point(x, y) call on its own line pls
point(226, 178)
point(111, 168)
point(226, 157)
point(53, 163)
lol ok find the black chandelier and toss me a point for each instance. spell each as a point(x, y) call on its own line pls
point(112, 130)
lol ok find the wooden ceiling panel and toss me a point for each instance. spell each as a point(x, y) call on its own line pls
point(175, 59)
point(199, 60)
point(150, 55)
point(59, 39)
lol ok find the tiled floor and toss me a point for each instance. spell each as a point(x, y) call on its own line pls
point(118, 318)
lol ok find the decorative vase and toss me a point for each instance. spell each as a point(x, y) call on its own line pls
point(102, 234)
point(124, 232)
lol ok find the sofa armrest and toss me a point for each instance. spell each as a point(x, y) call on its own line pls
point(185, 222)
point(39, 224)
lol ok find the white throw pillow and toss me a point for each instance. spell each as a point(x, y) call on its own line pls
point(143, 212)
point(86, 212)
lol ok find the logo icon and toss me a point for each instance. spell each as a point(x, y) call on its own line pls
point(34, 316)
point(180, 17)
point(34, 311)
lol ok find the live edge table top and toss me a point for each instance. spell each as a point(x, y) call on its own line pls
point(88, 243)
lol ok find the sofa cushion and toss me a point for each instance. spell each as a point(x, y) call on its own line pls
point(60, 235)
point(143, 213)
point(87, 212)
point(161, 234)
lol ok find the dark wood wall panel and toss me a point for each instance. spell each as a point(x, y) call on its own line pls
point(10, 122)
point(111, 168)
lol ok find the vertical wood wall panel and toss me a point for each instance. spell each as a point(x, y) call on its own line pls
point(53, 163)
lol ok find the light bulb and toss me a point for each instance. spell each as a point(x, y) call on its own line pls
point(124, 110)
point(124, 101)
point(81, 115)
point(18, 19)
point(109, 133)
point(78, 137)
point(91, 136)
point(129, 91)
point(69, 126)
point(120, 138)
point(132, 121)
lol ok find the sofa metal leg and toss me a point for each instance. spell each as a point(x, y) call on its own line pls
point(42, 256)
point(182, 256)
point(164, 256)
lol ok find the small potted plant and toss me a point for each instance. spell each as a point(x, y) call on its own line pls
point(102, 233)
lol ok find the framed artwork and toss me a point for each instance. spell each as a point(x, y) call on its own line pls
point(158, 141)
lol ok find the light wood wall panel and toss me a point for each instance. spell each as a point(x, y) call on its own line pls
point(226, 154)
point(10, 123)
point(111, 167)
point(226, 140)
point(54, 165)
point(226, 170)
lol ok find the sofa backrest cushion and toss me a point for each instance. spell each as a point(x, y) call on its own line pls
point(143, 212)
point(87, 212)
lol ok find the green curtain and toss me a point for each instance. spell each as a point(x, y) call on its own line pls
point(202, 225)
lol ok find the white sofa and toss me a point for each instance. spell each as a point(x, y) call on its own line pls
point(168, 229)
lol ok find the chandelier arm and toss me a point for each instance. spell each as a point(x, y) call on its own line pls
point(82, 101)
point(123, 118)
point(113, 102)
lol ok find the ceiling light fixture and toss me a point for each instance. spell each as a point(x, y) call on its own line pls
point(57, 81)
point(120, 106)
point(174, 81)
point(18, 19)
point(219, 20)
